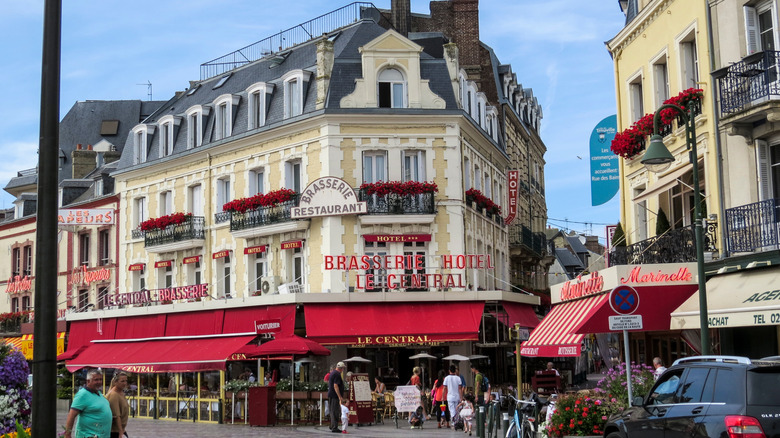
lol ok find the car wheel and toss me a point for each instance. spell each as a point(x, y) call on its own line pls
point(614, 435)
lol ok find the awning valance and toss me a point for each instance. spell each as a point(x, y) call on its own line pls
point(555, 337)
point(519, 313)
point(665, 182)
point(740, 299)
point(161, 354)
point(367, 324)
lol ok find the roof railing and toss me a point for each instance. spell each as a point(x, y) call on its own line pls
point(722, 359)
point(293, 36)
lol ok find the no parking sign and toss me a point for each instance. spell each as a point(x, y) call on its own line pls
point(624, 300)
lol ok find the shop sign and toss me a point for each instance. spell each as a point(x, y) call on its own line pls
point(151, 296)
point(163, 264)
point(255, 249)
point(190, 260)
point(292, 244)
point(669, 274)
point(397, 237)
point(136, 267)
point(636, 276)
point(581, 288)
point(396, 340)
point(220, 254)
point(268, 326)
point(18, 284)
point(328, 196)
point(513, 176)
point(138, 368)
point(95, 216)
point(80, 275)
point(238, 356)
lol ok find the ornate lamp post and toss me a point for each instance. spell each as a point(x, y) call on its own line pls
point(657, 158)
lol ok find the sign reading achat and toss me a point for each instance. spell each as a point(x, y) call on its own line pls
point(328, 196)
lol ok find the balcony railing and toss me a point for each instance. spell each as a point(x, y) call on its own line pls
point(190, 229)
point(398, 204)
point(263, 216)
point(674, 246)
point(748, 82)
point(137, 233)
point(522, 235)
point(222, 216)
point(753, 226)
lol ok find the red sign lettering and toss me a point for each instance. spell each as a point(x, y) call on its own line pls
point(163, 264)
point(397, 237)
point(189, 260)
point(220, 254)
point(255, 249)
point(590, 286)
point(292, 244)
point(513, 177)
point(18, 284)
point(137, 267)
point(636, 276)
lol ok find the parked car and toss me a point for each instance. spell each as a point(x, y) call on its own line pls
point(706, 396)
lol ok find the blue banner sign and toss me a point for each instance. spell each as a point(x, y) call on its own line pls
point(604, 171)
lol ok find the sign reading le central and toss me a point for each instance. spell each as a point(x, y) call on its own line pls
point(328, 196)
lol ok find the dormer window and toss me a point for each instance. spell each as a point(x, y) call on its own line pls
point(167, 127)
point(195, 116)
point(392, 89)
point(259, 96)
point(293, 92)
point(141, 135)
point(222, 81)
point(223, 107)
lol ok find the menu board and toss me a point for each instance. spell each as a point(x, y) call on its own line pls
point(360, 409)
point(407, 398)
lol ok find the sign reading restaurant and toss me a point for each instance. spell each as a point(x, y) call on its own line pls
point(328, 196)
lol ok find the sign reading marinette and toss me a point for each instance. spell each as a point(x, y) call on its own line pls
point(328, 196)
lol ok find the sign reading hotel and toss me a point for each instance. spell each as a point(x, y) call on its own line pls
point(94, 216)
point(415, 263)
point(513, 178)
point(157, 295)
point(328, 196)
point(666, 274)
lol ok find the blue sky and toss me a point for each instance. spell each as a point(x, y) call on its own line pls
point(110, 48)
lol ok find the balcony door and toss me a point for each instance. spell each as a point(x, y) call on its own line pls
point(761, 36)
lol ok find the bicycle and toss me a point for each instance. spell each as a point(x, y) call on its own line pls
point(521, 428)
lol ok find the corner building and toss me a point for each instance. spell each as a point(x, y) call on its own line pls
point(353, 186)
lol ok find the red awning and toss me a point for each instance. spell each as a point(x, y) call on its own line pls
point(553, 337)
point(393, 323)
point(522, 314)
point(161, 355)
point(71, 353)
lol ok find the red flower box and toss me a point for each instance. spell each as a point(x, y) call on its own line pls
point(270, 199)
point(383, 188)
point(474, 195)
point(163, 222)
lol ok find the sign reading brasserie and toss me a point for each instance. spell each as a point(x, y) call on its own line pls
point(414, 267)
point(151, 296)
point(328, 196)
point(95, 216)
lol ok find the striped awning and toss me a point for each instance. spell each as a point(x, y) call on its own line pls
point(14, 342)
point(24, 343)
point(556, 334)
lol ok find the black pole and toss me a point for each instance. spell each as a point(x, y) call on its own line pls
point(44, 392)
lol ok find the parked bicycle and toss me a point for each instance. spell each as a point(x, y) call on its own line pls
point(522, 423)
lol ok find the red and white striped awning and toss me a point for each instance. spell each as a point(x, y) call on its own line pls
point(555, 336)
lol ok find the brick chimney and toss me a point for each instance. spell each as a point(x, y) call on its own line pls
point(402, 16)
point(465, 31)
point(84, 160)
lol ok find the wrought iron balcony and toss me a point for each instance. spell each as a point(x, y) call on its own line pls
point(190, 229)
point(263, 216)
point(398, 204)
point(137, 233)
point(753, 227)
point(222, 216)
point(674, 246)
point(520, 235)
point(748, 82)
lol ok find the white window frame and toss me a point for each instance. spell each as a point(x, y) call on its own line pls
point(752, 30)
point(257, 261)
point(374, 166)
point(140, 211)
point(258, 97)
point(223, 192)
point(194, 115)
point(224, 276)
point(165, 277)
point(488, 186)
point(387, 77)
point(477, 178)
point(223, 114)
point(417, 159)
point(293, 92)
point(379, 275)
point(293, 169)
point(139, 280)
point(256, 179)
point(466, 173)
point(688, 54)
point(195, 270)
point(481, 111)
point(660, 71)
point(141, 134)
point(636, 97)
point(167, 126)
point(195, 199)
point(296, 259)
point(165, 204)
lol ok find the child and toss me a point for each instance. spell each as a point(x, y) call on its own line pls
point(344, 416)
point(417, 418)
point(466, 412)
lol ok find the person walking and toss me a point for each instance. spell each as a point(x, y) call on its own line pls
point(335, 396)
point(92, 410)
point(480, 395)
point(440, 401)
point(120, 409)
point(452, 390)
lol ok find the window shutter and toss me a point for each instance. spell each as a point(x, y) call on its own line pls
point(751, 29)
point(762, 169)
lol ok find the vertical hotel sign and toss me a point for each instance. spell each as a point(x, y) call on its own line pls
point(513, 177)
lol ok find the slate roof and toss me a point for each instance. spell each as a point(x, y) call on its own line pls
point(346, 68)
point(567, 259)
point(576, 245)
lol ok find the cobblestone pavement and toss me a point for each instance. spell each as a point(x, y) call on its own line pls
point(146, 428)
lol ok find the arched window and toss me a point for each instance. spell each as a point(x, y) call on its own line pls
point(392, 89)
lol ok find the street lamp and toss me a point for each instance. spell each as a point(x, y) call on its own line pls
point(657, 158)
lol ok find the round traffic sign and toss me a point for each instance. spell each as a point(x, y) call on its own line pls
point(624, 300)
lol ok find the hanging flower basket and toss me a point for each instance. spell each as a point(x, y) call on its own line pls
point(631, 141)
point(270, 199)
point(382, 188)
point(483, 202)
point(163, 222)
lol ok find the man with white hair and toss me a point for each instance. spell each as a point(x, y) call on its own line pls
point(92, 409)
point(658, 364)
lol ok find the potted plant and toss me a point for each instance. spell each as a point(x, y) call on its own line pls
point(163, 222)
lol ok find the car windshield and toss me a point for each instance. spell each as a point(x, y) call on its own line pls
point(762, 386)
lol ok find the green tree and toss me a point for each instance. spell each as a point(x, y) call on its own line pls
point(619, 238)
point(661, 223)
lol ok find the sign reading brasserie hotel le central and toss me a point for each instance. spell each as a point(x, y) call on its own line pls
point(328, 196)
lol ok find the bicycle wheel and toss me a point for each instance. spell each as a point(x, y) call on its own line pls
point(511, 432)
point(528, 430)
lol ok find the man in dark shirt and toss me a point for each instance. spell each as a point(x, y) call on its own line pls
point(335, 389)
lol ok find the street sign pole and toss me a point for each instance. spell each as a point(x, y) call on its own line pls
point(624, 300)
point(518, 359)
point(628, 366)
